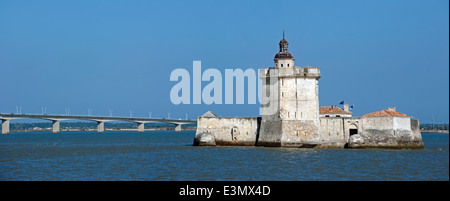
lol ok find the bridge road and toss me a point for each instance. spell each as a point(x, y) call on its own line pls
point(56, 119)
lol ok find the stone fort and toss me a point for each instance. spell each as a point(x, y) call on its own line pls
point(291, 117)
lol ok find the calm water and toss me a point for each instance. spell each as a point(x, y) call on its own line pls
point(166, 155)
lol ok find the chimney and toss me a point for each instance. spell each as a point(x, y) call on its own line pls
point(391, 109)
point(346, 107)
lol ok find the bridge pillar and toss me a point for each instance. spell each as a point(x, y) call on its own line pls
point(5, 126)
point(100, 126)
point(140, 127)
point(178, 128)
point(55, 126)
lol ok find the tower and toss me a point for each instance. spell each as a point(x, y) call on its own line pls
point(290, 102)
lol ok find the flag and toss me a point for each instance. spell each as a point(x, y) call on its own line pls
point(351, 107)
point(341, 103)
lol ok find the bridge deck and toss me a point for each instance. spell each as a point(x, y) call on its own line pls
point(93, 118)
point(99, 119)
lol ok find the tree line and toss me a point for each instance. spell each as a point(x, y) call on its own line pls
point(434, 127)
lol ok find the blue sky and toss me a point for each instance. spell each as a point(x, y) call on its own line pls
point(118, 55)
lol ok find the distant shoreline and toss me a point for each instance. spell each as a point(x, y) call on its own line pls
point(434, 131)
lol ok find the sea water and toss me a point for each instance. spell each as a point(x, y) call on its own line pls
point(170, 156)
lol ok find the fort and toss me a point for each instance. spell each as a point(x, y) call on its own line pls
point(291, 117)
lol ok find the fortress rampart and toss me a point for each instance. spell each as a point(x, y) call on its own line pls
point(291, 117)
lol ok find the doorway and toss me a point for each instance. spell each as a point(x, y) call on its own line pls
point(353, 129)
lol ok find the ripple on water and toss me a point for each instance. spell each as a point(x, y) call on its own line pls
point(170, 156)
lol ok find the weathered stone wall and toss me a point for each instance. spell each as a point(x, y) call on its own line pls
point(242, 131)
point(332, 132)
point(296, 120)
point(332, 128)
point(270, 133)
point(335, 131)
point(402, 123)
point(387, 132)
point(417, 135)
point(368, 132)
point(387, 126)
point(299, 133)
point(377, 123)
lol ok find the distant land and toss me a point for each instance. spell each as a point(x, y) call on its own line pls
point(112, 126)
point(434, 128)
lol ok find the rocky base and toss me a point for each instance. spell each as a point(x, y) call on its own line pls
point(386, 139)
point(204, 139)
point(359, 141)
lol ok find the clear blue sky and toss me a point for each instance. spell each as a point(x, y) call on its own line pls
point(119, 54)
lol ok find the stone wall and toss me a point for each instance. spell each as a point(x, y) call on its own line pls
point(335, 131)
point(339, 132)
point(332, 132)
point(417, 135)
point(299, 133)
point(270, 133)
point(387, 132)
point(229, 131)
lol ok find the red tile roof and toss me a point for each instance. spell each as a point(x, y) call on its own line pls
point(385, 113)
point(332, 110)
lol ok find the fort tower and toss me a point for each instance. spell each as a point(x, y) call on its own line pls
point(290, 102)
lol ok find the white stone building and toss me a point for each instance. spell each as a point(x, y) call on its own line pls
point(291, 117)
point(334, 111)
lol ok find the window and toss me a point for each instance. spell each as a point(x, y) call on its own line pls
point(288, 65)
point(281, 65)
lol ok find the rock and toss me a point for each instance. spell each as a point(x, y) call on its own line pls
point(356, 141)
point(204, 139)
point(394, 140)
